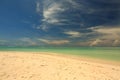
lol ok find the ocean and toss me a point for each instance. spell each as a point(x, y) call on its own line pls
point(110, 53)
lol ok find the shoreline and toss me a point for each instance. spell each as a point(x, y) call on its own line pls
point(72, 56)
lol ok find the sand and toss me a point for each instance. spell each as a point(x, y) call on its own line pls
point(46, 66)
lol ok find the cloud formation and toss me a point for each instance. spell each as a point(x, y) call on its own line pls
point(107, 32)
point(61, 22)
point(73, 34)
point(51, 12)
point(38, 10)
point(55, 42)
point(108, 36)
point(81, 13)
point(96, 42)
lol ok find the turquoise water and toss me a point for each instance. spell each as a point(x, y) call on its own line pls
point(110, 53)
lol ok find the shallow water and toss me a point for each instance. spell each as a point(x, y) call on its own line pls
point(110, 53)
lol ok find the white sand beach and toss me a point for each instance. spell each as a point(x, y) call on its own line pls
point(45, 66)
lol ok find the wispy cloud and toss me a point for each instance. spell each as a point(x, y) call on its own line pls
point(51, 11)
point(107, 36)
point(55, 42)
point(96, 42)
point(38, 7)
point(74, 4)
point(116, 42)
point(73, 34)
point(57, 13)
point(106, 29)
point(105, 42)
point(107, 32)
point(74, 14)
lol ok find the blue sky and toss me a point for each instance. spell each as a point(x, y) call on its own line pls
point(59, 23)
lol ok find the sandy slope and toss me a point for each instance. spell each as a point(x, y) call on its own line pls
point(34, 66)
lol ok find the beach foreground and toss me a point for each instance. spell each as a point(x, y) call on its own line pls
point(47, 66)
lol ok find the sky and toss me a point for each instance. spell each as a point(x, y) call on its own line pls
point(60, 23)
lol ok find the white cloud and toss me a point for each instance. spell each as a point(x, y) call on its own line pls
point(107, 32)
point(44, 27)
point(55, 42)
point(51, 10)
point(108, 36)
point(38, 10)
point(74, 4)
point(51, 20)
point(116, 42)
point(96, 42)
point(73, 34)
point(104, 42)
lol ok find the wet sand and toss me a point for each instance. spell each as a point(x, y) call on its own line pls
point(47, 66)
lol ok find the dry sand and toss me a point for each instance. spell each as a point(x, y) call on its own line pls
point(44, 66)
